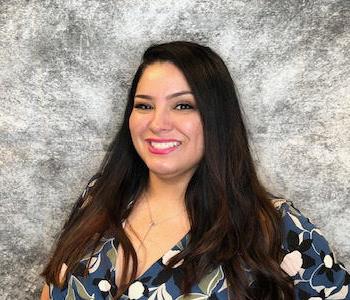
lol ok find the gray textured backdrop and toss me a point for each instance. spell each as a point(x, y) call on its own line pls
point(64, 71)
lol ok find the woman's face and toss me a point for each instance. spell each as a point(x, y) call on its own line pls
point(165, 125)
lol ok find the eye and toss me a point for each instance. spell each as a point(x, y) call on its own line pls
point(142, 106)
point(182, 106)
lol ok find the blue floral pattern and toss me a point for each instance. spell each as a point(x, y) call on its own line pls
point(308, 260)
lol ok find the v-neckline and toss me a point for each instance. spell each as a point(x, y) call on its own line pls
point(183, 241)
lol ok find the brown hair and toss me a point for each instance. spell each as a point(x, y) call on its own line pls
point(233, 221)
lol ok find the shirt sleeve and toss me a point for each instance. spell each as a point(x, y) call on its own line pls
point(83, 199)
point(309, 260)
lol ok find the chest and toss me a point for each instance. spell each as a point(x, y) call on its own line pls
point(151, 242)
point(155, 283)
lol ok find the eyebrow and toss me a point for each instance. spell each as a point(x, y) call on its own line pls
point(167, 97)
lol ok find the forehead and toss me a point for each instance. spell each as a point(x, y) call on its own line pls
point(162, 77)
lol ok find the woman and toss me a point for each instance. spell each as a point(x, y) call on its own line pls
point(177, 209)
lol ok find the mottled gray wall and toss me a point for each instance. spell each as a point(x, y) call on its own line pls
point(64, 71)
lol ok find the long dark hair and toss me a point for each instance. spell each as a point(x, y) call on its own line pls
point(233, 222)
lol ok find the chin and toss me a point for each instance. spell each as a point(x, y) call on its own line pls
point(168, 173)
point(163, 172)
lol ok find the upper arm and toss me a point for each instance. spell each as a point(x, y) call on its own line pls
point(45, 293)
point(309, 260)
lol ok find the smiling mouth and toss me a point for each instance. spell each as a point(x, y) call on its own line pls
point(164, 145)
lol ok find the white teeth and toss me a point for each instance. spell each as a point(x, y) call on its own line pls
point(164, 145)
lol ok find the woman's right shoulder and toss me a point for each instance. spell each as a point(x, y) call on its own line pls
point(84, 197)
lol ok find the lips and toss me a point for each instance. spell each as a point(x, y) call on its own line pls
point(162, 146)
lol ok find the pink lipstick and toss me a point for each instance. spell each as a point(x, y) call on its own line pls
point(162, 146)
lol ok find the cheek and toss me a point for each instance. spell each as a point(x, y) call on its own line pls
point(131, 124)
point(135, 125)
point(134, 130)
point(194, 131)
point(199, 136)
point(200, 140)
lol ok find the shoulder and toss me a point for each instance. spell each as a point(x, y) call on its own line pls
point(308, 258)
point(293, 220)
point(85, 197)
point(86, 192)
point(92, 277)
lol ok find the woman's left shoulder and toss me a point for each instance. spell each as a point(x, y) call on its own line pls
point(309, 260)
point(292, 217)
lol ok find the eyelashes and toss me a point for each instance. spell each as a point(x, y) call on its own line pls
point(182, 106)
point(142, 106)
point(179, 106)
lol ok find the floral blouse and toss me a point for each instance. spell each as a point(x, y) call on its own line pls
point(308, 260)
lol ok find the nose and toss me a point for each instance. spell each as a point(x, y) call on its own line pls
point(160, 121)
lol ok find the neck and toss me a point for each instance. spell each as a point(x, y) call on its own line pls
point(163, 191)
